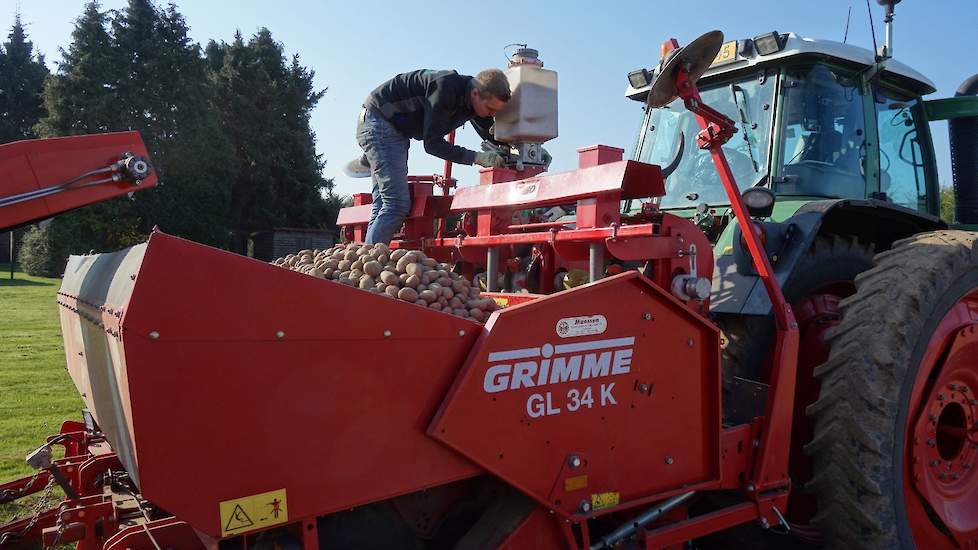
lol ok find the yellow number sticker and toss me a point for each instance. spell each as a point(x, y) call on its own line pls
point(727, 53)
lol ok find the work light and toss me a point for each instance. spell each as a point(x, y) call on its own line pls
point(769, 43)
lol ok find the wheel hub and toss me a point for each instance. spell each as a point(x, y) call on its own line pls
point(945, 439)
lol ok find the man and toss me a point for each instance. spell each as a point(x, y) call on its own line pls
point(425, 105)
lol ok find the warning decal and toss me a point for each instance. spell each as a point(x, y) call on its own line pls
point(245, 514)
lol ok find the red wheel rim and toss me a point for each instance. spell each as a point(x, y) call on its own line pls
point(941, 435)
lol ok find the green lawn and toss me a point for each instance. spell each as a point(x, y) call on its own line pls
point(36, 393)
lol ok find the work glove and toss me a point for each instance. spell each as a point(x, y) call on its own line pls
point(490, 159)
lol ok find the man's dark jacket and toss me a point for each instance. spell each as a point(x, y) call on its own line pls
point(427, 105)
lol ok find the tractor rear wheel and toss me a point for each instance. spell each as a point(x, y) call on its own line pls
point(895, 447)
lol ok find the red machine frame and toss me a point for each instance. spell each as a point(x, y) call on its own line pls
point(751, 458)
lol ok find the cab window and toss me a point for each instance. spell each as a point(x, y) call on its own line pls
point(902, 176)
point(823, 135)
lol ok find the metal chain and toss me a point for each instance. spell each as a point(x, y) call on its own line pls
point(37, 510)
point(11, 495)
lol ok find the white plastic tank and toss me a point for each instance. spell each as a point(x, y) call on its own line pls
point(531, 115)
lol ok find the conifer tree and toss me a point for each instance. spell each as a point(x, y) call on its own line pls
point(22, 74)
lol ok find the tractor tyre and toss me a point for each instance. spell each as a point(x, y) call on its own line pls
point(830, 266)
point(895, 448)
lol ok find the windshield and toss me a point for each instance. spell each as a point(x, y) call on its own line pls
point(670, 139)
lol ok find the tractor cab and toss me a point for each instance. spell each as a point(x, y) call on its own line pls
point(811, 124)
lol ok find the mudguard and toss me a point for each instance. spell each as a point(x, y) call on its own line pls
point(737, 288)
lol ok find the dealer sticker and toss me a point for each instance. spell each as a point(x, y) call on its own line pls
point(570, 327)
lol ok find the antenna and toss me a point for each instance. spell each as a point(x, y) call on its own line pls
point(848, 17)
point(872, 29)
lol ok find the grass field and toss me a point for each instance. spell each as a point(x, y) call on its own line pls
point(36, 393)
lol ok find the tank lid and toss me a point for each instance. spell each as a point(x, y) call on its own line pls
point(525, 56)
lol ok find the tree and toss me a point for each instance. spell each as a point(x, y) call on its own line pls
point(264, 104)
point(947, 204)
point(22, 74)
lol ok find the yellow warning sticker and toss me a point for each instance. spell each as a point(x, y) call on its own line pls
point(245, 514)
point(600, 501)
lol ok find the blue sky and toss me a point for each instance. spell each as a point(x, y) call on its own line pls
point(355, 46)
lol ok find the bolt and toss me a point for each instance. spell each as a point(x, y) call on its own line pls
point(952, 386)
point(935, 462)
point(387, 333)
point(940, 397)
point(750, 488)
point(280, 334)
point(647, 316)
point(956, 476)
point(931, 442)
point(153, 335)
point(584, 506)
point(764, 523)
point(461, 333)
point(756, 443)
point(643, 388)
point(689, 342)
point(574, 461)
point(669, 460)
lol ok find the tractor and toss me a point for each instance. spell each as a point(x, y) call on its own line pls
point(757, 328)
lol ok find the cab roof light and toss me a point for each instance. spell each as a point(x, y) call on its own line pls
point(769, 43)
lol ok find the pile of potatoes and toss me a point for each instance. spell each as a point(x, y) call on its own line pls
point(406, 275)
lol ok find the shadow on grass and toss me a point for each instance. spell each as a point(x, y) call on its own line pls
point(5, 280)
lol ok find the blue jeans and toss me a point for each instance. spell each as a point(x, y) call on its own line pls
point(387, 152)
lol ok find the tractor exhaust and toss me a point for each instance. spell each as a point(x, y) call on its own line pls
point(963, 136)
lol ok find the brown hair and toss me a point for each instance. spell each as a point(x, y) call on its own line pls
point(492, 82)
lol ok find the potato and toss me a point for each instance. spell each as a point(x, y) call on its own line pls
point(407, 294)
point(373, 268)
point(445, 281)
point(392, 290)
point(351, 255)
point(403, 277)
point(429, 277)
point(413, 281)
point(382, 248)
point(435, 306)
point(455, 303)
point(460, 312)
point(421, 303)
point(356, 274)
point(328, 272)
point(344, 265)
point(332, 264)
point(357, 264)
point(447, 292)
point(381, 287)
point(364, 250)
point(389, 277)
point(347, 281)
point(436, 287)
point(383, 258)
point(477, 314)
point(366, 281)
point(305, 252)
point(344, 275)
point(398, 254)
point(444, 267)
point(428, 296)
point(414, 269)
point(443, 301)
point(474, 293)
point(430, 262)
point(457, 286)
point(352, 246)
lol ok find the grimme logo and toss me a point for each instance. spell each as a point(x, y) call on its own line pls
point(521, 368)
